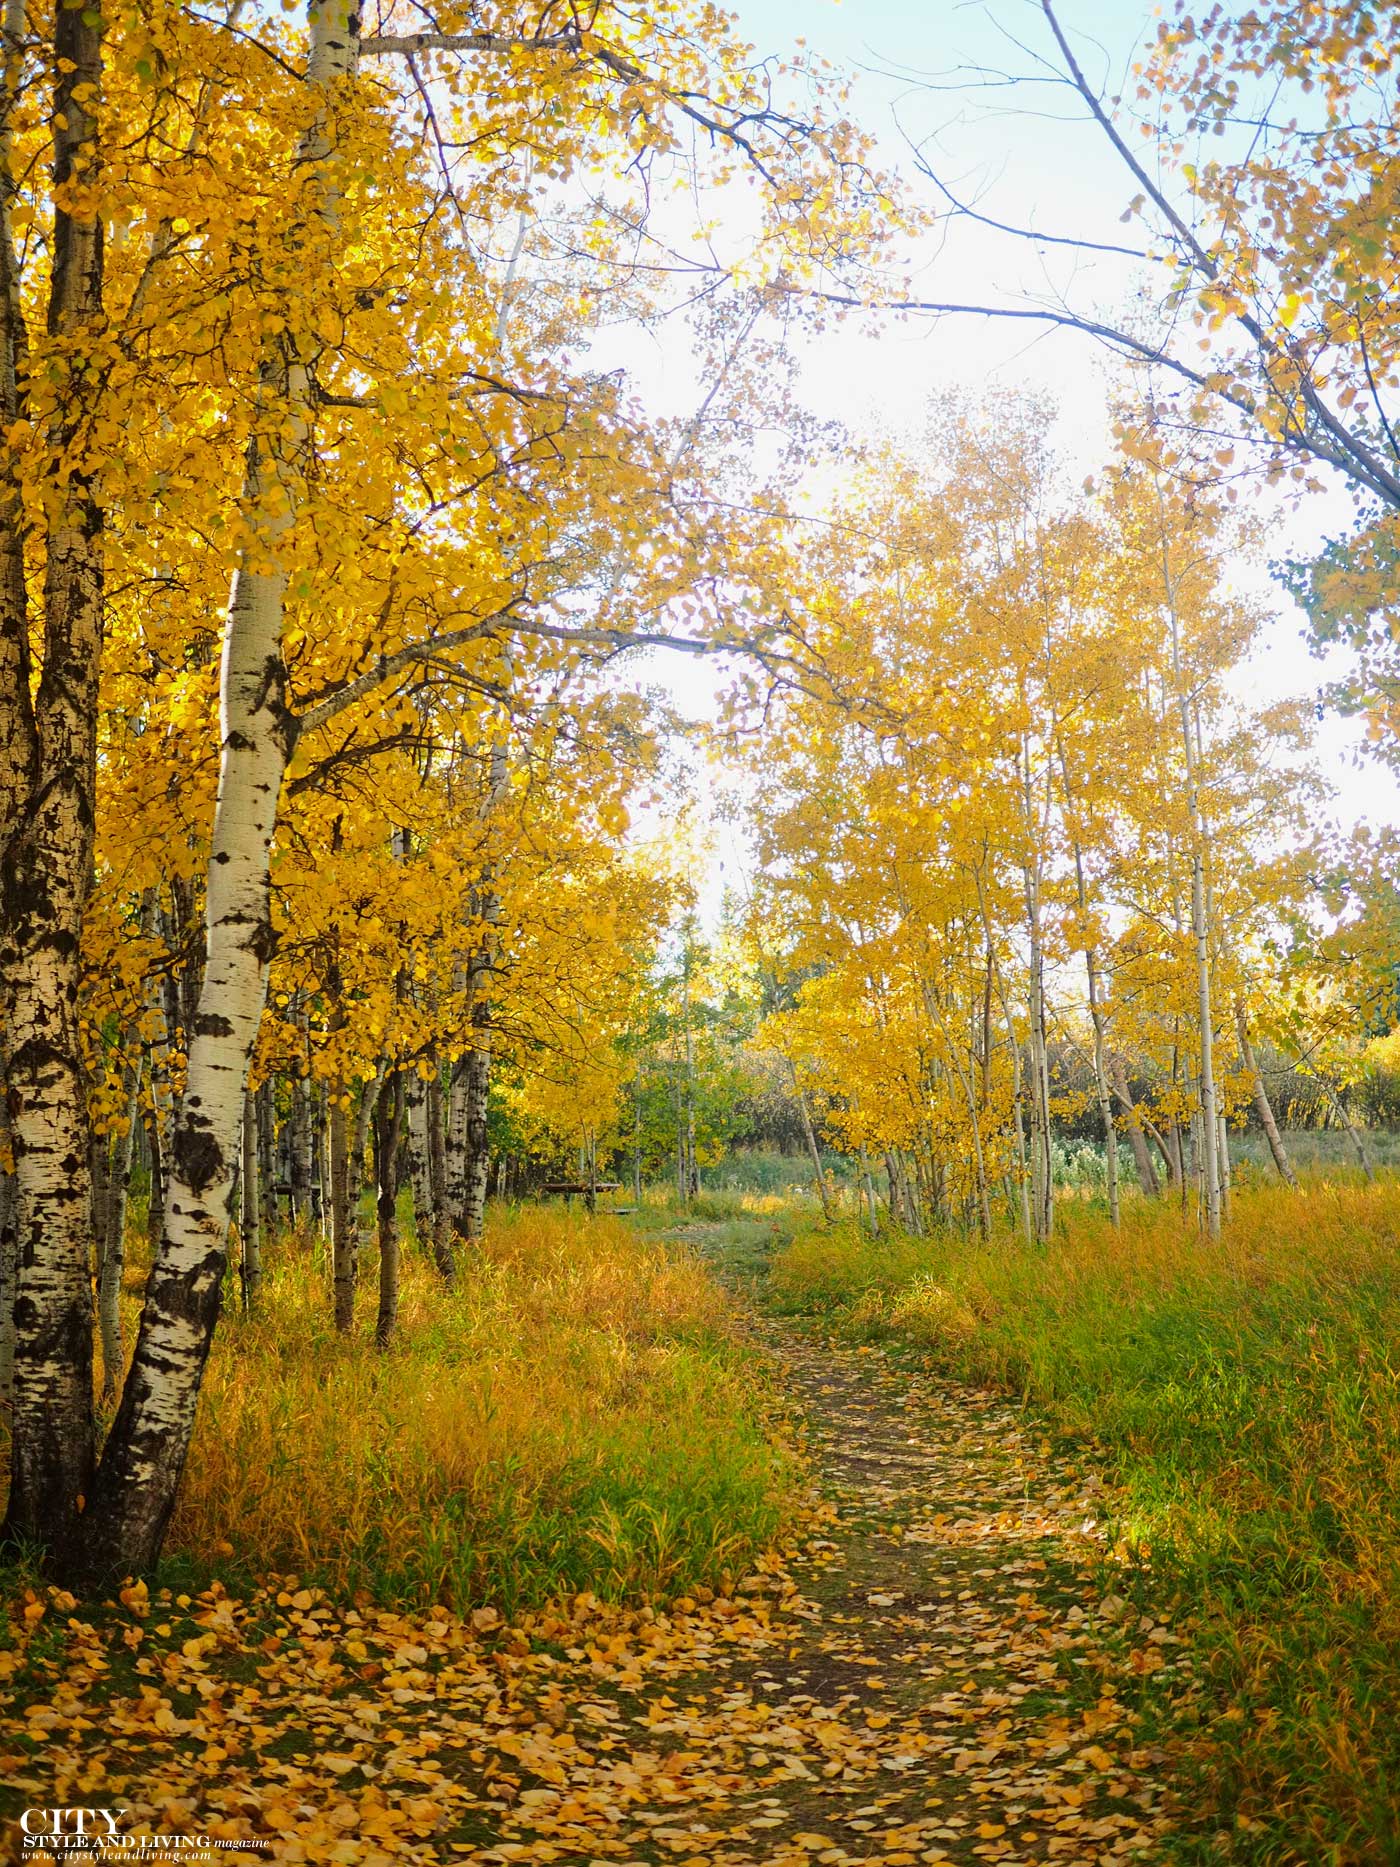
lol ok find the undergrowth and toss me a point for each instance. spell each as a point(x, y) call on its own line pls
point(1248, 1399)
point(576, 1415)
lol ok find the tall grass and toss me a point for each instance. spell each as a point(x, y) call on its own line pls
point(576, 1415)
point(1248, 1396)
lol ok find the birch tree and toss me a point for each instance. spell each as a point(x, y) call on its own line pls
point(54, 387)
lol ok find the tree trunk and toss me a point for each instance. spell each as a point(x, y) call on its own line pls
point(355, 1167)
point(9, 1258)
point(867, 1187)
point(344, 1223)
point(300, 1137)
point(320, 1155)
point(1137, 1140)
point(690, 1179)
point(1038, 1071)
point(1110, 1131)
point(1096, 1015)
point(455, 1140)
point(1174, 1156)
point(99, 1174)
point(682, 1176)
point(129, 1506)
point(1200, 923)
point(1262, 1104)
point(161, 1123)
point(250, 1265)
point(419, 1171)
point(437, 1178)
point(267, 1151)
point(46, 816)
point(478, 1088)
point(1354, 1134)
point(388, 1119)
point(810, 1136)
point(156, 1200)
point(113, 1242)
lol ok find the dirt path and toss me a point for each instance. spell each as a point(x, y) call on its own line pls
point(937, 1672)
point(938, 1676)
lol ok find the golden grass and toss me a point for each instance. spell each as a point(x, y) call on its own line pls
point(577, 1414)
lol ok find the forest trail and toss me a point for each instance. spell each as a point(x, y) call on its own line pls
point(940, 1675)
point(935, 1672)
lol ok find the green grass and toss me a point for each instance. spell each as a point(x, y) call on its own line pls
point(1246, 1398)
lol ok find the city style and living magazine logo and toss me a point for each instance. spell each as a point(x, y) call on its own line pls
point(79, 1834)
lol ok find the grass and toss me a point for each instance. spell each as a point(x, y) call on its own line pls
point(1247, 1398)
point(577, 1415)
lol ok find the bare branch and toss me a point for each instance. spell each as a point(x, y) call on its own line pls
point(387, 666)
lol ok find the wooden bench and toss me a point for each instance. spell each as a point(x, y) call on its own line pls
point(569, 1189)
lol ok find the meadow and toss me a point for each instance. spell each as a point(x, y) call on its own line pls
point(577, 1414)
point(1245, 1398)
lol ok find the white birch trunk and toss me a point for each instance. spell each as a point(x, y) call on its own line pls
point(250, 1213)
point(1137, 1140)
point(48, 767)
point(477, 1074)
point(113, 1241)
point(1261, 1100)
point(355, 1165)
point(1042, 1172)
point(1096, 1015)
point(134, 1493)
point(9, 1261)
point(1200, 921)
point(475, 1102)
point(388, 1119)
point(455, 1142)
point(437, 1176)
point(299, 1128)
point(344, 1235)
point(416, 1103)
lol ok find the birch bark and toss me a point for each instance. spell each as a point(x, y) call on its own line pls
point(416, 1104)
point(113, 1240)
point(355, 1166)
point(1096, 1015)
point(1262, 1104)
point(9, 1262)
point(48, 769)
point(481, 972)
point(1200, 924)
point(437, 1177)
point(299, 1132)
point(250, 1214)
point(134, 1493)
point(455, 1141)
point(1137, 1140)
point(388, 1120)
point(344, 1238)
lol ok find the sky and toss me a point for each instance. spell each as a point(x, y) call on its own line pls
point(1027, 156)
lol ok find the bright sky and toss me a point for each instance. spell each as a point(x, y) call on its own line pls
point(1027, 157)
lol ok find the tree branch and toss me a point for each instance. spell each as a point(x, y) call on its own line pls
point(387, 666)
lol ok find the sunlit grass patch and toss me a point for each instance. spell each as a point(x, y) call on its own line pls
point(576, 1415)
point(1248, 1396)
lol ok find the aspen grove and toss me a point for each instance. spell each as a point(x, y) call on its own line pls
point(700, 1048)
point(257, 331)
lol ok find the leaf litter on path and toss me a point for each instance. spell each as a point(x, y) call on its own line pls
point(932, 1674)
